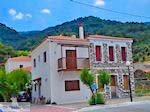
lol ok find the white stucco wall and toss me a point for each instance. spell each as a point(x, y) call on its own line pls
point(53, 85)
point(42, 70)
point(13, 65)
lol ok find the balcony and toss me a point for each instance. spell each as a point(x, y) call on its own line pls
point(66, 64)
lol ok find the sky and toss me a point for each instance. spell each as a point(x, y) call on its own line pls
point(27, 15)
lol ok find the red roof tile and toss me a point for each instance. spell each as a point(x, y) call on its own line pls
point(28, 69)
point(109, 37)
point(20, 58)
point(66, 38)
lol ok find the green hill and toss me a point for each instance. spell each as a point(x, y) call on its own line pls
point(92, 25)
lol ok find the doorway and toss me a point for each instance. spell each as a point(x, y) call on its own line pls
point(113, 86)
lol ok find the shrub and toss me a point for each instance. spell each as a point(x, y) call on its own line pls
point(100, 98)
point(92, 100)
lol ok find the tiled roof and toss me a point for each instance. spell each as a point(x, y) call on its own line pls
point(109, 37)
point(28, 69)
point(67, 38)
point(20, 58)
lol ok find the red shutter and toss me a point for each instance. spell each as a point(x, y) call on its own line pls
point(123, 53)
point(98, 53)
point(111, 53)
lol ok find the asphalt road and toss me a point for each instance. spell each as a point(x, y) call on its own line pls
point(124, 107)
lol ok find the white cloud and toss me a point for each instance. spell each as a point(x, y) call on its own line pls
point(45, 11)
point(18, 15)
point(99, 3)
point(28, 15)
point(12, 12)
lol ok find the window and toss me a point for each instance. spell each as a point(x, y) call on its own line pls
point(39, 58)
point(111, 53)
point(44, 56)
point(21, 66)
point(98, 53)
point(34, 62)
point(123, 53)
point(72, 85)
point(35, 87)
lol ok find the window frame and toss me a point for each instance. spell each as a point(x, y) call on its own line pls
point(72, 88)
point(98, 54)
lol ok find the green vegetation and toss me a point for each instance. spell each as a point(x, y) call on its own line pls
point(140, 32)
point(104, 78)
point(92, 100)
point(100, 98)
point(7, 52)
point(87, 78)
point(12, 83)
point(148, 76)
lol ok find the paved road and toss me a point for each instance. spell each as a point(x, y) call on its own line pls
point(124, 107)
point(43, 108)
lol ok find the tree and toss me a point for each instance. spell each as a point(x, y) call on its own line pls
point(12, 83)
point(104, 78)
point(22, 53)
point(87, 78)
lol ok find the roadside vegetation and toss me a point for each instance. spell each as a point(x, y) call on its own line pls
point(89, 80)
point(12, 83)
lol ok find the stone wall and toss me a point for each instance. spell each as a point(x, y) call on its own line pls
point(117, 67)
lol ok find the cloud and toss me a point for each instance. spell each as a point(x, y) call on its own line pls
point(45, 11)
point(29, 15)
point(99, 3)
point(12, 12)
point(18, 15)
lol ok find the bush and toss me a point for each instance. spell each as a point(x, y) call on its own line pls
point(100, 99)
point(92, 100)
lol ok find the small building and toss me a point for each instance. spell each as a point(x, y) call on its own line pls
point(21, 62)
point(58, 60)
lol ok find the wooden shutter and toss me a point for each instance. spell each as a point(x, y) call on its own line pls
point(98, 53)
point(123, 53)
point(111, 53)
point(126, 82)
point(72, 85)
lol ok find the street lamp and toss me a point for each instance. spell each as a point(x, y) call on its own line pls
point(128, 65)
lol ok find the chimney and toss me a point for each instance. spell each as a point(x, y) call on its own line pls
point(81, 31)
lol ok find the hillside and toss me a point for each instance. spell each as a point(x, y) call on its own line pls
point(92, 25)
point(9, 36)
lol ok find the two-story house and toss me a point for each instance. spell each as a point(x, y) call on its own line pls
point(57, 62)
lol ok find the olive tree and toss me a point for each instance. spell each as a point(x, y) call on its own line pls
point(104, 78)
point(87, 78)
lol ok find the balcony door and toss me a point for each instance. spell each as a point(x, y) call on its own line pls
point(71, 59)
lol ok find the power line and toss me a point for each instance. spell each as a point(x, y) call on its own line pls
point(109, 10)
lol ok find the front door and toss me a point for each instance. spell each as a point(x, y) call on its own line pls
point(113, 85)
point(71, 60)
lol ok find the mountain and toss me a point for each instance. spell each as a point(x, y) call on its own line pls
point(147, 23)
point(92, 25)
point(10, 36)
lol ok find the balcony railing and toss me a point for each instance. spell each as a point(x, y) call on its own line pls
point(78, 64)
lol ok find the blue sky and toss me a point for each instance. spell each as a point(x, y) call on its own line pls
point(26, 15)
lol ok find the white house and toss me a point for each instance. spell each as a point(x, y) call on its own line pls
point(57, 61)
point(23, 62)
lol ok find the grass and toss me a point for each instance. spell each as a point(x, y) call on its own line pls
point(142, 92)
